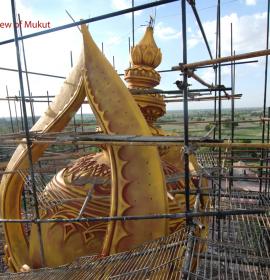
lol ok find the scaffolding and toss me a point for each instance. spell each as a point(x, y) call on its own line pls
point(238, 242)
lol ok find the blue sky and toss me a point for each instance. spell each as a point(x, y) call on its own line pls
point(50, 53)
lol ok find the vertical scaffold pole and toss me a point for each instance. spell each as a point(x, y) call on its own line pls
point(27, 77)
point(267, 154)
point(265, 92)
point(74, 117)
point(16, 115)
point(21, 110)
point(219, 115)
point(232, 108)
point(133, 31)
point(185, 103)
point(9, 108)
point(27, 134)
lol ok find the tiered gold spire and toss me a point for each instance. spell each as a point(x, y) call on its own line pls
point(145, 57)
point(142, 76)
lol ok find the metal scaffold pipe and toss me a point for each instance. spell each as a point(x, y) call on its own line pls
point(27, 135)
point(221, 213)
point(138, 141)
point(93, 19)
point(185, 105)
point(221, 59)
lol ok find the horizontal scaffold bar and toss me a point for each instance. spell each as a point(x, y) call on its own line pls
point(222, 213)
point(207, 98)
point(163, 92)
point(101, 139)
point(221, 59)
point(93, 19)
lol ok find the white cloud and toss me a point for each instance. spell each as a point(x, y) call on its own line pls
point(248, 33)
point(47, 54)
point(208, 75)
point(122, 5)
point(194, 38)
point(251, 2)
point(111, 42)
point(192, 42)
point(113, 39)
point(166, 32)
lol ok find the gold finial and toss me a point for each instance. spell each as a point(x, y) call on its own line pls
point(145, 57)
point(146, 52)
point(142, 76)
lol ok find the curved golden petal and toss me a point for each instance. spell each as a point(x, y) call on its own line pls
point(57, 116)
point(149, 56)
point(157, 59)
point(136, 55)
point(138, 185)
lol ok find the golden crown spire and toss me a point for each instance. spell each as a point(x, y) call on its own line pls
point(142, 77)
point(145, 57)
point(146, 52)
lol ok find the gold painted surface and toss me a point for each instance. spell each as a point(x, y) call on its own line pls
point(54, 119)
point(66, 241)
point(135, 175)
point(138, 186)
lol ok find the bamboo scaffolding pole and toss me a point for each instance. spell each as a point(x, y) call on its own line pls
point(143, 141)
point(193, 65)
point(34, 134)
point(138, 141)
point(103, 139)
point(186, 215)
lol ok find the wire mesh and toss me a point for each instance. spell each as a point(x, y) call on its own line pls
point(242, 253)
point(3, 266)
point(236, 247)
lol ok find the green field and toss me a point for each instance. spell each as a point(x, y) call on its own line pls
point(248, 128)
point(247, 123)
